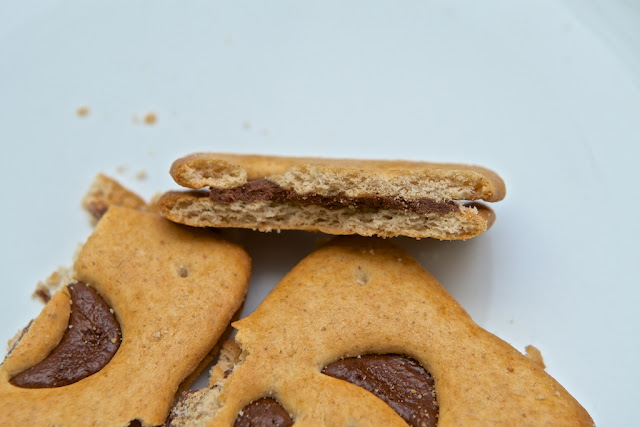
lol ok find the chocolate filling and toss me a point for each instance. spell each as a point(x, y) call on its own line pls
point(265, 412)
point(88, 344)
point(398, 380)
point(263, 190)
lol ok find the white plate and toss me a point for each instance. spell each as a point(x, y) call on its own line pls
point(546, 93)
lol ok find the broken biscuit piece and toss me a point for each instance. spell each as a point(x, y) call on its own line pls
point(105, 192)
point(147, 306)
point(334, 196)
point(359, 334)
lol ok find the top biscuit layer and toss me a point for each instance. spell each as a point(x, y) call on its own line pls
point(353, 178)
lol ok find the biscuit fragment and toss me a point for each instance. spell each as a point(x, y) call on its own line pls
point(335, 196)
point(169, 322)
point(322, 314)
point(105, 192)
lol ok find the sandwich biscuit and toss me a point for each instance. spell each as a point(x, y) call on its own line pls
point(334, 196)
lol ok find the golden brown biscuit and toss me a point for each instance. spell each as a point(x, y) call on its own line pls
point(335, 196)
point(359, 324)
point(170, 290)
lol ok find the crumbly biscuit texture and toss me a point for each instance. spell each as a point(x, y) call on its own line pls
point(197, 209)
point(357, 297)
point(173, 291)
point(397, 178)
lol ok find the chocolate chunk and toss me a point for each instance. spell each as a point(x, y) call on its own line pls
point(88, 344)
point(263, 190)
point(265, 412)
point(398, 380)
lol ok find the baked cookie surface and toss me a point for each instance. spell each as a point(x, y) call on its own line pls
point(335, 196)
point(172, 292)
point(352, 336)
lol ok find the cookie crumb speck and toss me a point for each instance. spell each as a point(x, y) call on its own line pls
point(362, 277)
point(150, 118)
point(42, 293)
point(535, 356)
point(141, 175)
point(135, 119)
point(265, 132)
point(83, 111)
point(121, 169)
point(246, 125)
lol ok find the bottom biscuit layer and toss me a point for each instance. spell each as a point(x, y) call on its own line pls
point(197, 209)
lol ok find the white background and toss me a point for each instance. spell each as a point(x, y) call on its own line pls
point(546, 93)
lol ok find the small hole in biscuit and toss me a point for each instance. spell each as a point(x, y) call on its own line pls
point(182, 271)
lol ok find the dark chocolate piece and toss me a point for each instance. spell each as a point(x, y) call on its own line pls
point(88, 344)
point(398, 380)
point(262, 190)
point(265, 412)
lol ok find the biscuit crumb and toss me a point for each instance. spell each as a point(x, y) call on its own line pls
point(135, 119)
point(265, 132)
point(141, 175)
point(535, 356)
point(44, 289)
point(83, 111)
point(150, 118)
point(246, 125)
point(362, 277)
point(42, 293)
point(121, 169)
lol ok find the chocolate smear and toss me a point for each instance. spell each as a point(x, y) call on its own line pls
point(265, 412)
point(398, 380)
point(263, 190)
point(90, 341)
